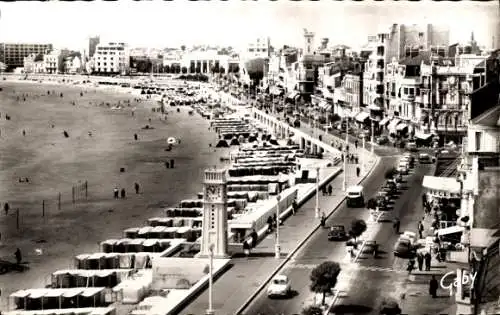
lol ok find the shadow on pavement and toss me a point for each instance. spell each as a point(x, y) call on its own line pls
point(350, 309)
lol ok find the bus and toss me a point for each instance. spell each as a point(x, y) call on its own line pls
point(355, 197)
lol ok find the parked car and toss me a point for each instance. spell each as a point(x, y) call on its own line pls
point(337, 233)
point(424, 158)
point(403, 167)
point(382, 200)
point(390, 187)
point(280, 287)
point(412, 146)
point(382, 140)
point(403, 248)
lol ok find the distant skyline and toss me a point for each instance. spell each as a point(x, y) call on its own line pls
point(235, 23)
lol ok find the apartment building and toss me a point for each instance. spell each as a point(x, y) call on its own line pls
point(111, 58)
point(51, 61)
point(13, 54)
point(259, 48)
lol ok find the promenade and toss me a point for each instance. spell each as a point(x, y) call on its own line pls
point(228, 292)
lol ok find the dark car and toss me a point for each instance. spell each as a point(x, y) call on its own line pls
point(382, 140)
point(337, 233)
point(403, 248)
point(390, 188)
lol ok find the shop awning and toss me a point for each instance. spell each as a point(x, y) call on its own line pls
point(393, 124)
point(293, 95)
point(423, 136)
point(442, 184)
point(324, 105)
point(450, 230)
point(276, 91)
point(384, 121)
point(362, 117)
point(374, 107)
point(401, 126)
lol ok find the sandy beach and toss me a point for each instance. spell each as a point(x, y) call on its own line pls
point(54, 163)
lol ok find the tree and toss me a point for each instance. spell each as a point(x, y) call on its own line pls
point(324, 278)
point(357, 228)
point(389, 174)
point(389, 307)
point(312, 310)
point(184, 70)
point(222, 70)
point(371, 204)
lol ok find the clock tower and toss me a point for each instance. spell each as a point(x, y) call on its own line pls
point(214, 224)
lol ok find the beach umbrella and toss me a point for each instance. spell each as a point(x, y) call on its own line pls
point(171, 140)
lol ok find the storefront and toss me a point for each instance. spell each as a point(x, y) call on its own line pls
point(402, 129)
point(423, 139)
point(444, 195)
point(362, 118)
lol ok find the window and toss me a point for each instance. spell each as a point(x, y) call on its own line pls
point(405, 91)
point(417, 91)
point(478, 140)
point(411, 90)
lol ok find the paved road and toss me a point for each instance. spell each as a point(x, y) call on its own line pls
point(386, 275)
point(317, 250)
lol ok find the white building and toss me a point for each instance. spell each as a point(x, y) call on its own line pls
point(51, 61)
point(73, 65)
point(111, 58)
point(260, 48)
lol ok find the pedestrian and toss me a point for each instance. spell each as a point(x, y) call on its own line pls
point(420, 229)
point(411, 265)
point(433, 287)
point(18, 256)
point(356, 144)
point(116, 192)
point(347, 148)
point(420, 261)
point(427, 261)
point(6, 208)
point(275, 221)
point(356, 159)
point(269, 224)
point(294, 207)
point(330, 190)
point(396, 225)
point(342, 157)
point(358, 171)
point(24, 133)
point(136, 186)
point(375, 250)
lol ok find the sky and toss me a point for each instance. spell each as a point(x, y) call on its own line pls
point(234, 22)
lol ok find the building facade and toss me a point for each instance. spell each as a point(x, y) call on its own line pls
point(111, 58)
point(51, 62)
point(260, 48)
point(72, 65)
point(93, 42)
point(353, 87)
point(12, 54)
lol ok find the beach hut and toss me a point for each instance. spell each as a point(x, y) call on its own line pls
point(134, 245)
point(160, 222)
point(222, 144)
point(157, 232)
point(144, 232)
point(108, 246)
point(141, 260)
point(234, 141)
point(131, 232)
point(151, 245)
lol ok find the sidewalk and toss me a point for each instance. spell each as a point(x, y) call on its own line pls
point(228, 293)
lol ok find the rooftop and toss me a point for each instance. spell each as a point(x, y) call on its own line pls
point(490, 118)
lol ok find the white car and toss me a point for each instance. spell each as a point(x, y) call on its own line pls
point(411, 236)
point(279, 287)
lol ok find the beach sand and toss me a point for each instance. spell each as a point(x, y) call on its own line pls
point(54, 164)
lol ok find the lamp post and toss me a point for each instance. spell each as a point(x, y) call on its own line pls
point(210, 310)
point(277, 246)
point(316, 208)
point(363, 154)
point(344, 182)
point(372, 135)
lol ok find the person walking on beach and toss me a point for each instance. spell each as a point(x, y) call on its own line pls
point(6, 208)
point(123, 193)
point(18, 256)
point(116, 192)
point(136, 186)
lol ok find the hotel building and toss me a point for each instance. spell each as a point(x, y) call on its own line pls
point(111, 58)
point(13, 54)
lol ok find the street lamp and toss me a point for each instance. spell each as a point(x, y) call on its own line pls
point(316, 208)
point(363, 136)
point(277, 247)
point(344, 182)
point(372, 136)
point(210, 310)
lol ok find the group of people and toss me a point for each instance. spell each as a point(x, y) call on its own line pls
point(327, 190)
point(122, 194)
